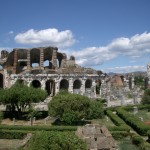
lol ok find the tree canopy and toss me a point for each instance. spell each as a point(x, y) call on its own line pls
point(70, 108)
point(19, 96)
point(146, 97)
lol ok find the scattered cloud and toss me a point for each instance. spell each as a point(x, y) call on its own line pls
point(125, 69)
point(133, 47)
point(46, 37)
point(11, 32)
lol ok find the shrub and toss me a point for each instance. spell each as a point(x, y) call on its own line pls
point(118, 135)
point(133, 121)
point(1, 116)
point(138, 140)
point(10, 134)
point(56, 141)
point(39, 128)
point(69, 108)
point(96, 110)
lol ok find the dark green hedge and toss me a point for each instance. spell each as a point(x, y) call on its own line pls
point(118, 135)
point(39, 128)
point(11, 134)
point(115, 119)
point(138, 140)
point(119, 128)
point(133, 121)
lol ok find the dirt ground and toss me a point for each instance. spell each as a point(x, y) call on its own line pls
point(6, 144)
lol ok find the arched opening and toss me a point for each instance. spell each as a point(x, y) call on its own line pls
point(64, 84)
point(88, 83)
point(35, 58)
point(36, 84)
point(20, 81)
point(35, 65)
point(76, 86)
point(1, 81)
point(50, 87)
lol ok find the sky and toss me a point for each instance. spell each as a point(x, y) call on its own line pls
point(107, 35)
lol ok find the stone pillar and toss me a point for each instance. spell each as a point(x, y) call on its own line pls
point(122, 100)
point(54, 58)
point(57, 84)
point(28, 60)
point(70, 85)
point(15, 61)
point(43, 84)
point(41, 59)
point(93, 90)
point(108, 101)
point(83, 87)
point(135, 97)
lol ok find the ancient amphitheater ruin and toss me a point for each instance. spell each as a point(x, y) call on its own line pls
point(47, 68)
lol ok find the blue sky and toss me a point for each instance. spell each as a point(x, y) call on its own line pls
point(108, 35)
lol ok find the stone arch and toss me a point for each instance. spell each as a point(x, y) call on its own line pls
point(1, 81)
point(76, 86)
point(88, 83)
point(21, 81)
point(64, 84)
point(50, 87)
point(36, 83)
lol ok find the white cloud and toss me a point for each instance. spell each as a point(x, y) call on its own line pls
point(11, 32)
point(126, 69)
point(133, 47)
point(46, 37)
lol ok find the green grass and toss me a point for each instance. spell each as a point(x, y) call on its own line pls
point(126, 144)
point(143, 113)
point(104, 121)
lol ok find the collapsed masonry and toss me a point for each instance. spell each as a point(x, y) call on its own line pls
point(97, 137)
point(49, 69)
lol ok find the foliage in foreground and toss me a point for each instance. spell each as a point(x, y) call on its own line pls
point(55, 141)
point(146, 97)
point(19, 96)
point(71, 108)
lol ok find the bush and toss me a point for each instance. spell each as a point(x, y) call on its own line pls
point(138, 140)
point(56, 141)
point(10, 134)
point(133, 121)
point(115, 119)
point(119, 128)
point(118, 135)
point(96, 110)
point(1, 116)
point(39, 128)
point(69, 108)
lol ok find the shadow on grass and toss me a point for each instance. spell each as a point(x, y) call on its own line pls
point(77, 123)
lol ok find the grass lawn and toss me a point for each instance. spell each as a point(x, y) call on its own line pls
point(144, 114)
point(105, 121)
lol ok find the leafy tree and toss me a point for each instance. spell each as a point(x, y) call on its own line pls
point(56, 141)
point(139, 81)
point(146, 97)
point(96, 110)
point(69, 108)
point(19, 96)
